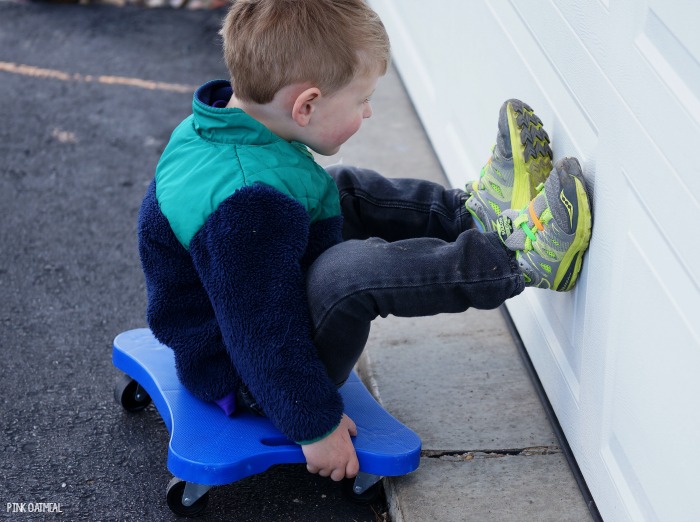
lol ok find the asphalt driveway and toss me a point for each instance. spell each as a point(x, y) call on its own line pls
point(88, 98)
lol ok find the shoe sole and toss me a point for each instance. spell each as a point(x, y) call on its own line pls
point(565, 281)
point(532, 154)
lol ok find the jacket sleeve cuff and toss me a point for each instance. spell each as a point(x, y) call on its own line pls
point(311, 441)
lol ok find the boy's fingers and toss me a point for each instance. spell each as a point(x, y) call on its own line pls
point(337, 475)
point(312, 469)
point(352, 469)
point(352, 427)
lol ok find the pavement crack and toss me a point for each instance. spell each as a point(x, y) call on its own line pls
point(467, 455)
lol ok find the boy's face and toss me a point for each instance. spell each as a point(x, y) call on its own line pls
point(338, 116)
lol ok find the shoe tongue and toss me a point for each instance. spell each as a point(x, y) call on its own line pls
point(516, 241)
point(558, 203)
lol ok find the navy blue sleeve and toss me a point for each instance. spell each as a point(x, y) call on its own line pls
point(322, 235)
point(249, 258)
point(179, 310)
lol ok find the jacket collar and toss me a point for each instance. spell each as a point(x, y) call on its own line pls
point(226, 125)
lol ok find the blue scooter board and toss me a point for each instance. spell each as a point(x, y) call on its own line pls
point(208, 448)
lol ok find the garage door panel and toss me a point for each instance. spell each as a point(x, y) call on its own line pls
point(681, 20)
point(587, 21)
point(674, 64)
point(617, 84)
point(661, 189)
point(660, 86)
point(647, 413)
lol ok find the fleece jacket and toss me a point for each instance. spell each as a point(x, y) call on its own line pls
point(227, 229)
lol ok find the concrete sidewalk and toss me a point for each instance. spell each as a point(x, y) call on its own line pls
point(489, 451)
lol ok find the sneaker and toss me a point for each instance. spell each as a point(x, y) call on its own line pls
point(520, 162)
point(551, 234)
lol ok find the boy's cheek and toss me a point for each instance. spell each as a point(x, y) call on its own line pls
point(343, 134)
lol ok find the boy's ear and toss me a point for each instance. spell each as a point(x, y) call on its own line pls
point(304, 105)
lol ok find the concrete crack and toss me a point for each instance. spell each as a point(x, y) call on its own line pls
point(466, 455)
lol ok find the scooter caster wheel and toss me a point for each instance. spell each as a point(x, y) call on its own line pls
point(369, 496)
point(130, 395)
point(176, 503)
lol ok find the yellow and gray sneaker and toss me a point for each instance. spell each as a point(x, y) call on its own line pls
point(550, 235)
point(520, 162)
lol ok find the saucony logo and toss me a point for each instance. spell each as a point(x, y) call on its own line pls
point(569, 209)
point(504, 226)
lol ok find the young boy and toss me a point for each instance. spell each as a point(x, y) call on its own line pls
point(264, 271)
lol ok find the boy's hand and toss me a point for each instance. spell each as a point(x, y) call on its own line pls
point(334, 456)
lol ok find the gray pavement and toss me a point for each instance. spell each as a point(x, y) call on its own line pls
point(79, 141)
point(76, 153)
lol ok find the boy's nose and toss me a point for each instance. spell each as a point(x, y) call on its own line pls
point(368, 111)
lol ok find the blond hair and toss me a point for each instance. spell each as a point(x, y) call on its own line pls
point(269, 44)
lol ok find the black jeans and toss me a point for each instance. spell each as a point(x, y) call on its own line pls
point(410, 250)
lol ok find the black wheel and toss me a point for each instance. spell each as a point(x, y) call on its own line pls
point(176, 488)
point(368, 497)
point(130, 394)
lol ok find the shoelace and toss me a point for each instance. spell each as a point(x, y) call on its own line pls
point(538, 222)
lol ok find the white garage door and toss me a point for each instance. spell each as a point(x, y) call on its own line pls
point(617, 84)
